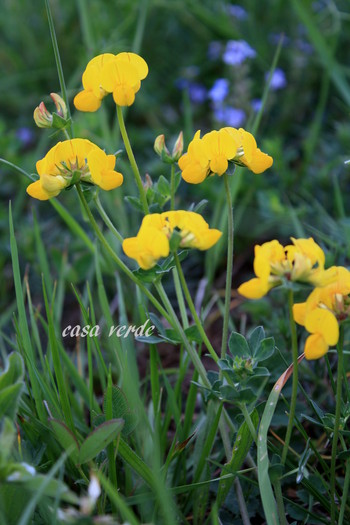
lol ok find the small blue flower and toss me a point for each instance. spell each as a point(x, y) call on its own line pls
point(230, 116)
point(25, 136)
point(214, 50)
point(197, 93)
point(220, 90)
point(237, 51)
point(256, 104)
point(278, 80)
point(237, 11)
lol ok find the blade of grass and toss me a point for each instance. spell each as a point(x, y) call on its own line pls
point(23, 324)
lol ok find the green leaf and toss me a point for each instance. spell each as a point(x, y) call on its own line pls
point(240, 450)
point(265, 350)
point(238, 345)
point(9, 400)
point(163, 186)
point(99, 439)
point(7, 439)
point(121, 410)
point(255, 339)
point(134, 202)
point(65, 438)
point(13, 372)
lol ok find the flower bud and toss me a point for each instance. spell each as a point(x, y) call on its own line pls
point(148, 182)
point(178, 147)
point(159, 145)
point(58, 119)
point(42, 117)
point(60, 105)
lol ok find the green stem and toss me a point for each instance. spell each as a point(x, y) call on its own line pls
point(117, 260)
point(180, 298)
point(106, 219)
point(193, 310)
point(189, 349)
point(293, 330)
point(58, 60)
point(248, 420)
point(280, 505)
point(336, 422)
point(132, 160)
point(230, 234)
point(344, 498)
point(172, 187)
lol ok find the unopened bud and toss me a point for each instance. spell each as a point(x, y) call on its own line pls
point(159, 145)
point(148, 182)
point(42, 117)
point(60, 105)
point(178, 147)
point(58, 119)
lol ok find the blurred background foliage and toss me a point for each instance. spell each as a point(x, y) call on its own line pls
point(200, 78)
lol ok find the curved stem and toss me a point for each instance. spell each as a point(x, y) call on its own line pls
point(336, 422)
point(230, 233)
point(293, 330)
point(172, 187)
point(106, 219)
point(189, 349)
point(193, 310)
point(180, 298)
point(132, 160)
point(58, 61)
point(248, 420)
point(116, 258)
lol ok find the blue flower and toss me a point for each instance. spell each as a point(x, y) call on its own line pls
point(256, 104)
point(220, 90)
point(230, 116)
point(237, 51)
point(197, 92)
point(278, 80)
point(25, 136)
point(237, 11)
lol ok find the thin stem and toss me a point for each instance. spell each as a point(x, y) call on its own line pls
point(58, 60)
point(280, 504)
point(117, 260)
point(344, 498)
point(132, 160)
point(248, 420)
point(241, 503)
point(293, 330)
point(336, 422)
point(106, 219)
point(172, 187)
point(191, 351)
point(193, 310)
point(230, 234)
point(180, 298)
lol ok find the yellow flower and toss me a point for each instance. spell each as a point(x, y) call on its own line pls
point(147, 247)
point(153, 239)
point(250, 155)
point(72, 161)
point(195, 163)
point(322, 310)
point(212, 153)
point(107, 73)
point(301, 261)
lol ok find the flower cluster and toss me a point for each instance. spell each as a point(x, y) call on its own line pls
point(301, 261)
point(72, 161)
point(157, 230)
point(107, 73)
point(322, 310)
point(212, 153)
